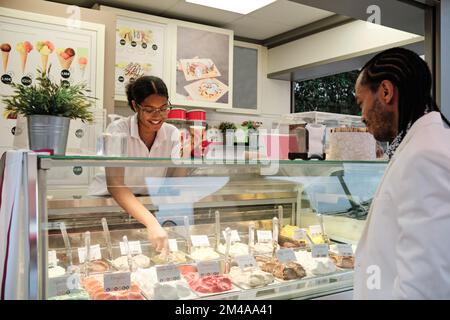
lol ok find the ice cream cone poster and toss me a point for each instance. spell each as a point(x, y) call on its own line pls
point(82, 54)
point(45, 48)
point(24, 48)
point(6, 49)
point(65, 58)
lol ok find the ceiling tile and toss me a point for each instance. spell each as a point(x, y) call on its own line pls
point(290, 13)
point(153, 6)
point(258, 29)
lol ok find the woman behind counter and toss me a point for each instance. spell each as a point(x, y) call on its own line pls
point(148, 136)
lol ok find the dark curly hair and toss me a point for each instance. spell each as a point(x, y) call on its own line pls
point(143, 87)
point(410, 74)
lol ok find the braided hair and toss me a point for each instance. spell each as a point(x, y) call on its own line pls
point(412, 77)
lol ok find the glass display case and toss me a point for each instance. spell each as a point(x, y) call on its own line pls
point(291, 230)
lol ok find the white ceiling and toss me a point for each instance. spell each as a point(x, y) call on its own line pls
point(269, 21)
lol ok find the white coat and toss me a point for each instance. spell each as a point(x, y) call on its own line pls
point(166, 145)
point(404, 251)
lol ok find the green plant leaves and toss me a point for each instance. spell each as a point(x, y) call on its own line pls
point(49, 98)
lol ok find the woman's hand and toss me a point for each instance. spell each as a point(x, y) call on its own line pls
point(158, 237)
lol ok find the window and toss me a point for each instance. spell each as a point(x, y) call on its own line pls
point(334, 93)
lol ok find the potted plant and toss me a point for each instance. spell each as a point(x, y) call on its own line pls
point(249, 126)
point(224, 127)
point(48, 107)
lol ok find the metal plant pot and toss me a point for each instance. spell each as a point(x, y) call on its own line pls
point(48, 132)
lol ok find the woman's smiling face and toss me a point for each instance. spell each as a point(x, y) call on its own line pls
point(153, 111)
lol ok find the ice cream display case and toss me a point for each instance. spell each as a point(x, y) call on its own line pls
point(280, 230)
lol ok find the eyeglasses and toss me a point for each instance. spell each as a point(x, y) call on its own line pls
point(151, 110)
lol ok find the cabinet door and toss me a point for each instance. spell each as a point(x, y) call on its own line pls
point(202, 73)
point(247, 78)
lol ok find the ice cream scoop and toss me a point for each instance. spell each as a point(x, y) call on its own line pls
point(5, 48)
point(24, 48)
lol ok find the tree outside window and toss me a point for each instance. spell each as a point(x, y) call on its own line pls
point(335, 93)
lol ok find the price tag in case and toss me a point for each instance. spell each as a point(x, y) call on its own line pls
point(299, 234)
point(135, 248)
point(315, 230)
point(264, 235)
point(116, 281)
point(167, 273)
point(200, 241)
point(286, 255)
point(64, 285)
point(319, 250)
point(344, 250)
point(173, 245)
point(52, 259)
point(208, 268)
point(234, 236)
point(96, 253)
point(245, 261)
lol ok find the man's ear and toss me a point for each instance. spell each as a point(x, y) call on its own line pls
point(133, 103)
point(386, 91)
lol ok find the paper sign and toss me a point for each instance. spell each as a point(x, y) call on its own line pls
point(200, 241)
point(344, 250)
point(264, 235)
point(64, 285)
point(167, 273)
point(286, 255)
point(319, 250)
point(96, 253)
point(52, 260)
point(173, 245)
point(299, 234)
point(117, 281)
point(234, 236)
point(208, 268)
point(245, 261)
point(135, 248)
point(315, 230)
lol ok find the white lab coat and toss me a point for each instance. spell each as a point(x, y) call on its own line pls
point(166, 145)
point(404, 250)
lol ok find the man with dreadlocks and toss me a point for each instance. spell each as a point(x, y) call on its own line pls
point(404, 251)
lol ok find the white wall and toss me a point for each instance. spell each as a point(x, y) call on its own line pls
point(349, 40)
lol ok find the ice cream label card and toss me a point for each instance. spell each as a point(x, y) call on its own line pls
point(200, 241)
point(67, 284)
point(195, 69)
point(319, 250)
point(315, 230)
point(208, 268)
point(264, 236)
point(173, 246)
point(167, 273)
point(95, 253)
point(299, 234)
point(246, 261)
point(234, 236)
point(344, 250)
point(52, 260)
point(116, 281)
point(206, 90)
point(286, 255)
point(134, 246)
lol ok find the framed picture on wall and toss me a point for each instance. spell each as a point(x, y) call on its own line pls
point(30, 42)
point(142, 48)
point(203, 73)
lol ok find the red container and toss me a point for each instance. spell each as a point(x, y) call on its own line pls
point(177, 114)
point(196, 115)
